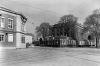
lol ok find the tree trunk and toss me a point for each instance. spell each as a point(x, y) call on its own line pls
point(77, 43)
point(97, 42)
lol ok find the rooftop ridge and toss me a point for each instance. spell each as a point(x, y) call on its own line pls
point(13, 12)
point(8, 10)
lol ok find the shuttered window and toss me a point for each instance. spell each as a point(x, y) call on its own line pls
point(10, 23)
point(2, 22)
point(23, 39)
point(10, 37)
point(1, 38)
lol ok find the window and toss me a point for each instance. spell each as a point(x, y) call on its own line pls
point(23, 39)
point(1, 38)
point(2, 22)
point(10, 23)
point(10, 37)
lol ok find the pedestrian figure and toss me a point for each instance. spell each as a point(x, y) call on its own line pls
point(40, 41)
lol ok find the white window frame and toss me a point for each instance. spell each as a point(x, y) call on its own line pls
point(2, 22)
point(2, 39)
point(10, 23)
point(10, 37)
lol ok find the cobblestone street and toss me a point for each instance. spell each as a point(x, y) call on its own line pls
point(43, 56)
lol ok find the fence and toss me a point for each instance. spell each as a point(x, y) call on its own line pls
point(69, 43)
point(56, 43)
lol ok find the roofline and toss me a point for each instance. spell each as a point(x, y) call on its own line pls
point(30, 34)
point(13, 12)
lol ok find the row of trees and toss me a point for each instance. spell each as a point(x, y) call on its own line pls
point(67, 25)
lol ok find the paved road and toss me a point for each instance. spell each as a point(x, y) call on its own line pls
point(41, 56)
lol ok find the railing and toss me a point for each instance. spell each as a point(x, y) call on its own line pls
point(62, 43)
point(56, 43)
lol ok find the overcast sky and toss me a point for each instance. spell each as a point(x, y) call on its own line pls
point(38, 11)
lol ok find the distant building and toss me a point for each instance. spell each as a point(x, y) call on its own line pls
point(12, 31)
point(29, 38)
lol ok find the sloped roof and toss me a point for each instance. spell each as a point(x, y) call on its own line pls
point(24, 19)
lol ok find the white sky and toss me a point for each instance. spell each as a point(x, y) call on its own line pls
point(38, 11)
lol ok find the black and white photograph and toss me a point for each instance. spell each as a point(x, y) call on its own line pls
point(49, 32)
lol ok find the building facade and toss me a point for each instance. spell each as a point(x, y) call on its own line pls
point(12, 31)
point(29, 38)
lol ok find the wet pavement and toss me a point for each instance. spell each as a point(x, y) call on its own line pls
point(46, 56)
